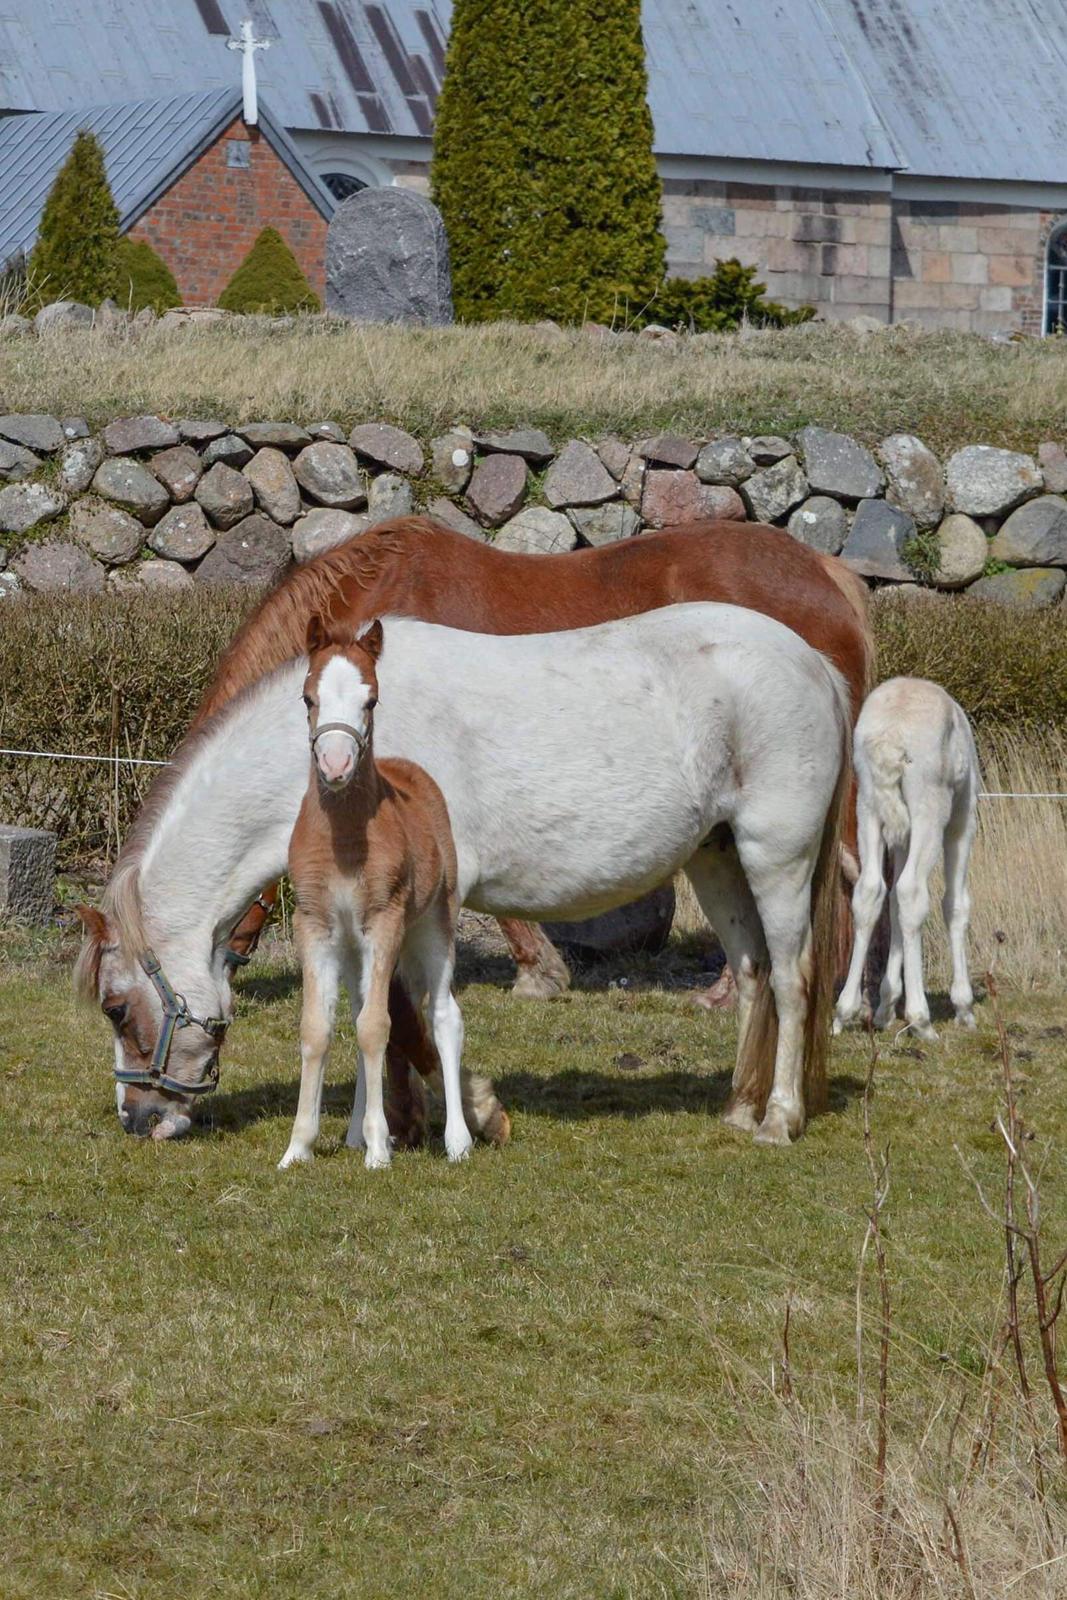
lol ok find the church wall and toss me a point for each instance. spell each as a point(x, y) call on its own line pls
point(206, 223)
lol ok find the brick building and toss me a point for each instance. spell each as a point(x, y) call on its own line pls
point(899, 158)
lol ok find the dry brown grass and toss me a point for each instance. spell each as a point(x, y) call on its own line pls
point(950, 388)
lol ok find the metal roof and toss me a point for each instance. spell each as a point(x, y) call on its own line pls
point(146, 145)
point(951, 88)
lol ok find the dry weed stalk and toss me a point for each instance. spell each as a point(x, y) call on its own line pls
point(878, 1167)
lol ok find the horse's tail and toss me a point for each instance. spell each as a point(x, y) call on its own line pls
point(884, 757)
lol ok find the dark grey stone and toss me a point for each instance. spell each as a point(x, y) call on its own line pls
point(16, 462)
point(531, 443)
point(256, 551)
point(725, 461)
point(34, 430)
point(615, 455)
point(327, 430)
point(1035, 535)
point(446, 511)
point(225, 495)
point(78, 464)
point(274, 483)
point(179, 470)
point(127, 435)
point(282, 435)
point(387, 259)
point(24, 505)
point(108, 532)
point(387, 447)
point(498, 488)
point(184, 534)
point(58, 566)
point(774, 491)
point(668, 450)
point(75, 428)
point(231, 450)
point(578, 477)
point(605, 524)
point(389, 496)
point(196, 431)
point(27, 874)
point(130, 485)
point(874, 546)
point(821, 523)
point(836, 465)
point(767, 448)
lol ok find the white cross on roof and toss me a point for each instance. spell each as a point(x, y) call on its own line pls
point(248, 45)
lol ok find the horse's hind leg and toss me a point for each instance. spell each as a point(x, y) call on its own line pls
point(956, 904)
point(542, 973)
point(913, 900)
point(782, 891)
point(892, 985)
point(867, 900)
point(724, 896)
point(321, 969)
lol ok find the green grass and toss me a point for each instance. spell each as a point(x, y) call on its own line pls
point(546, 1372)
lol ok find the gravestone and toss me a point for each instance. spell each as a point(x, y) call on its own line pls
point(27, 874)
point(387, 259)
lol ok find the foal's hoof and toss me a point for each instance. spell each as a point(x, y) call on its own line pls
point(375, 1159)
point(741, 1114)
point(922, 1029)
point(966, 1019)
point(458, 1147)
point(776, 1128)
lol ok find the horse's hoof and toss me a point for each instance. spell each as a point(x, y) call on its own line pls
point(740, 1114)
point(295, 1156)
point(774, 1129)
point(966, 1019)
point(923, 1030)
point(722, 995)
point(458, 1148)
point(535, 983)
point(376, 1159)
point(497, 1129)
point(839, 1026)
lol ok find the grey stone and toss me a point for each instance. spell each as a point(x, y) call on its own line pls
point(1052, 459)
point(668, 450)
point(162, 575)
point(1032, 588)
point(498, 488)
point(986, 482)
point(387, 447)
point(179, 470)
point(656, 333)
point(530, 443)
point(536, 531)
point(195, 430)
point(387, 259)
point(836, 465)
point(127, 435)
point(327, 430)
point(110, 533)
point(673, 498)
point(874, 547)
point(230, 450)
point(774, 491)
point(225, 495)
point(15, 327)
point(330, 474)
point(821, 523)
point(143, 319)
point(916, 482)
point(389, 496)
point(274, 483)
point(605, 524)
point(78, 464)
point(24, 505)
point(964, 550)
point(256, 551)
point(16, 462)
point(9, 583)
point(1035, 535)
point(62, 315)
point(615, 455)
point(725, 461)
point(283, 435)
point(34, 430)
point(75, 428)
point(632, 482)
point(578, 477)
point(322, 529)
point(58, 566)
point(110, 318)
point(130, 485)
point(184, 534)
point(27, 874)
point(446, 511)
point(767, 448)
point(644, 924)
point(862, 323)
point(452, 458)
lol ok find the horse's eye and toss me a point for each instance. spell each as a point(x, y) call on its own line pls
point(116, 1014)
point(372, 701)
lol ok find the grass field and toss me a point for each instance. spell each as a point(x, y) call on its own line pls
point(951, 389)
point(555, 1370)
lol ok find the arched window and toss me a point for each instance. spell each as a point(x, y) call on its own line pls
point(342, 185)
point(1056, 281)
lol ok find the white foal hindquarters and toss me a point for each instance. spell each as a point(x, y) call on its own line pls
point(917, 794)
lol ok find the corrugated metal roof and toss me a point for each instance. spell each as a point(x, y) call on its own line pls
point(146, 145)
point(347, 64)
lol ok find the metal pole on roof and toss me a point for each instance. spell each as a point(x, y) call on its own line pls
point(248, 44)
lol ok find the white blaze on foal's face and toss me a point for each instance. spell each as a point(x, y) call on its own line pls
point(343, 696)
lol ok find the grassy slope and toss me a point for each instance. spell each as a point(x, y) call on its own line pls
point(952, 389)
point(545, 1372)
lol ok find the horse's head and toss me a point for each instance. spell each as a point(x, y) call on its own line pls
point(166, 1045)
point(340, 692)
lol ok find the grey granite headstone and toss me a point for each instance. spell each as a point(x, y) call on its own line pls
point(27, 873)
point(387, 259)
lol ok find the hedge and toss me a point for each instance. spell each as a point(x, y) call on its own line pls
point(97, 675)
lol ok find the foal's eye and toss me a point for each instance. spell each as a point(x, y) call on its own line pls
point(115, 1013)
point(372, 701)
point(307, 701)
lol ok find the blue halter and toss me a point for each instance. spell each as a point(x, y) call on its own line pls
point(176, 1014)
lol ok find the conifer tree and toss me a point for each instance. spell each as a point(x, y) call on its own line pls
point(144, 279)
point(269, 280)
point(543, 164)
point(75, 254)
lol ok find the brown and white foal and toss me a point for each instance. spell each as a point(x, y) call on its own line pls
point(373, 866)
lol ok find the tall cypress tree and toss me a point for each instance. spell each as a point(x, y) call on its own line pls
point(75, 254)
point(543, 163)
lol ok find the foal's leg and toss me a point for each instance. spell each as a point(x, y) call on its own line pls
point(956, 905)
point(321, 968)
point(381, 947)
point(867, 900)
point(913, 898)
point(543, 973)
point(431, 947)
point(892, 984)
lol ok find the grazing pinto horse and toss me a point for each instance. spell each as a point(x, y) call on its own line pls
point(414, 567)
point(917, 777)
point(579, 770)
point(373, 866)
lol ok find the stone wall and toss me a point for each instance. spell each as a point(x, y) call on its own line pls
point(150, 502)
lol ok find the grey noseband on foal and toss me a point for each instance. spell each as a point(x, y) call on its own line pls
point(362, 739)
point(176, 1014)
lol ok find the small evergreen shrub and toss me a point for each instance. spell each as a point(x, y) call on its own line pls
point(269, 281)
point(75, 254)
point(721, 303)
point(144, 279)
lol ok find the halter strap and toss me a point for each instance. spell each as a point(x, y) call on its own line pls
point(176, 1014)
point(362, 739)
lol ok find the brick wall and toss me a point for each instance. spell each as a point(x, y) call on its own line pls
point(205, 224)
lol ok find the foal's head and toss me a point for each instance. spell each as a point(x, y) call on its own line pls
point(340, 692)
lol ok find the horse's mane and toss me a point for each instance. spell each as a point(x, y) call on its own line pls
point(276, 630)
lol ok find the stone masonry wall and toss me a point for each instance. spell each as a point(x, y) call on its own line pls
point(207, 222)
point(152, 502)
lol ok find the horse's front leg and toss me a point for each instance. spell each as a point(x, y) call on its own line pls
point(380, 952)
point(321, 969)
point(543, 973)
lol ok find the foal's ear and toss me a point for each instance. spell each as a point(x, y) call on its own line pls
point(371, 638)
point(93, 922)
point(316, 637)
